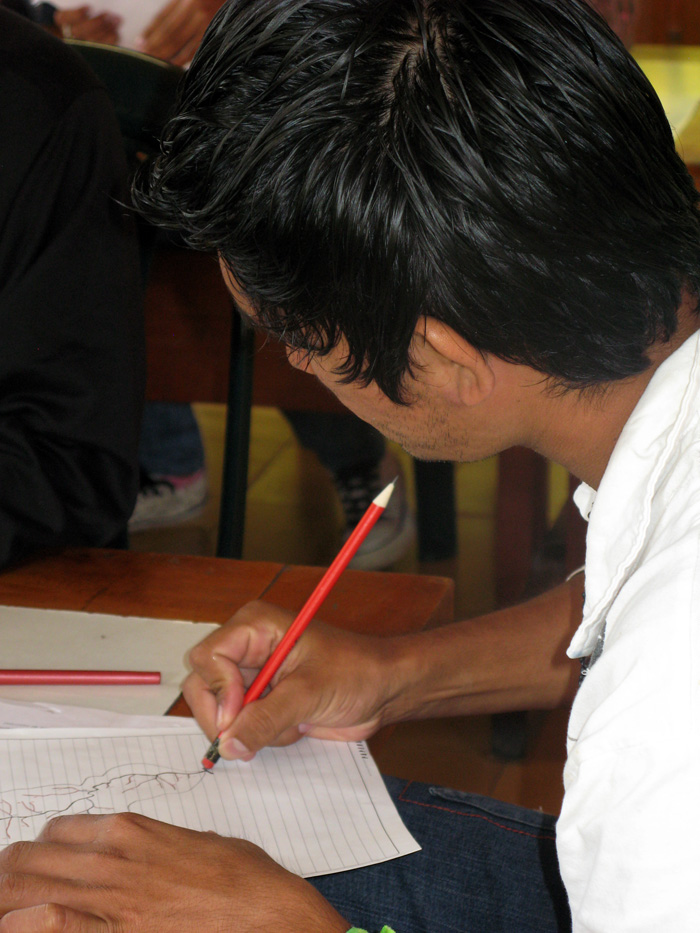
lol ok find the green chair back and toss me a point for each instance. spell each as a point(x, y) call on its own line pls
point(142, 90)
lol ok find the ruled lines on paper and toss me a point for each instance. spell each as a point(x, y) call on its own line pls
point(316, 807)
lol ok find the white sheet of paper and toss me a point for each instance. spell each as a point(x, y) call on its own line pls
point(57, 639)
point(17, 715)
point(316, 807)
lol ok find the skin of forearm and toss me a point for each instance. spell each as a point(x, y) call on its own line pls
point(507, 660)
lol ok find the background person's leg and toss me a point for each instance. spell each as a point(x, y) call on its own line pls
point(356, 456)
point(340, 441)
point(173, 475)
point(171, 443)
point(485, 867)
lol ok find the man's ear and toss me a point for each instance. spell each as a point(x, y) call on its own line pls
point(468, 370)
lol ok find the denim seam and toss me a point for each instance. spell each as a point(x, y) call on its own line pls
point(474, 816)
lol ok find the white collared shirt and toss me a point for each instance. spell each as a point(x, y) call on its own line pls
point(629, 833)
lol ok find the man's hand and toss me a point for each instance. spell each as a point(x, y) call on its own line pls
point(332, 685)
point(176, 31)
point(340, 685)
point(79, 23)
point(130, 874)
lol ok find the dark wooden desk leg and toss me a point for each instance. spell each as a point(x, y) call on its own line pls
point(437, 517)
point(521, 523)
point(521, 520)
point(234, 482)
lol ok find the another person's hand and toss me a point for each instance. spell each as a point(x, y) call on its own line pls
point(79, 23)
point(175, 31)
point(332, 685)
point(104, 874)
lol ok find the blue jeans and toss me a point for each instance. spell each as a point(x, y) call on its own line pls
point(340, 441)
point(171, 444)
point(485, 867)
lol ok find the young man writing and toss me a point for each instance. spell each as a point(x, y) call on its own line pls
point(468, 220)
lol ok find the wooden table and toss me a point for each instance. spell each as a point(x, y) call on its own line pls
point(209, 589)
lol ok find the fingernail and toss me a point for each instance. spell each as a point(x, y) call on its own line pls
point(234, 748)
point(219, 718)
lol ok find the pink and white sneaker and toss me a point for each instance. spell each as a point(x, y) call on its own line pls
point(168, 500)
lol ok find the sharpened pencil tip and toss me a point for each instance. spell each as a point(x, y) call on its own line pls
point(207, 764)
point(383, 497)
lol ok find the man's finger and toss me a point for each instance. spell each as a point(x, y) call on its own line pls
point(31, 867)
point(80, 829)
point(71, 17)
point(203, 704)
point(102, 28)
point(226, 662)
point(248, 639)
point(20, 890)
point(50, 918)
point(79, 23)
point(271, 720)
point(215, 699)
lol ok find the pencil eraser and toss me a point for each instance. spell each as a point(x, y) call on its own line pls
point(207, 764)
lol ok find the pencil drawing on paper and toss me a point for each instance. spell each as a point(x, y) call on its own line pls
point(116, 789)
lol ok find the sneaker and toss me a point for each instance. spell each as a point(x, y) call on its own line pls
point(395, 530)
point(167, 500)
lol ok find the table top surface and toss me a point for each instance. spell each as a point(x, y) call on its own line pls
point(209, 589)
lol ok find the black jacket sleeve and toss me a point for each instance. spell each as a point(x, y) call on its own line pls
point(71, 333)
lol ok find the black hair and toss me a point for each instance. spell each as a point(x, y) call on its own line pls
point(501, 165)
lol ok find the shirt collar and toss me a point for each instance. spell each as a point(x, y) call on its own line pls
point(619, 511)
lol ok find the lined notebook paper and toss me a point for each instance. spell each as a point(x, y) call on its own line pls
point(316, 807)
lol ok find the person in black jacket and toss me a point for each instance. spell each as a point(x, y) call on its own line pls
point(71, 331)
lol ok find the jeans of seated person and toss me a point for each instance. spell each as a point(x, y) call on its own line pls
point(485, 867)
point(340, 441)
point(356, 455)
point(171, 444)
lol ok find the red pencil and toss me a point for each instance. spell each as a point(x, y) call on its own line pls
point(310, 608)
point(36, 677)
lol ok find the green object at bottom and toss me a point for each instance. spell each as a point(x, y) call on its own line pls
point(358, 930)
